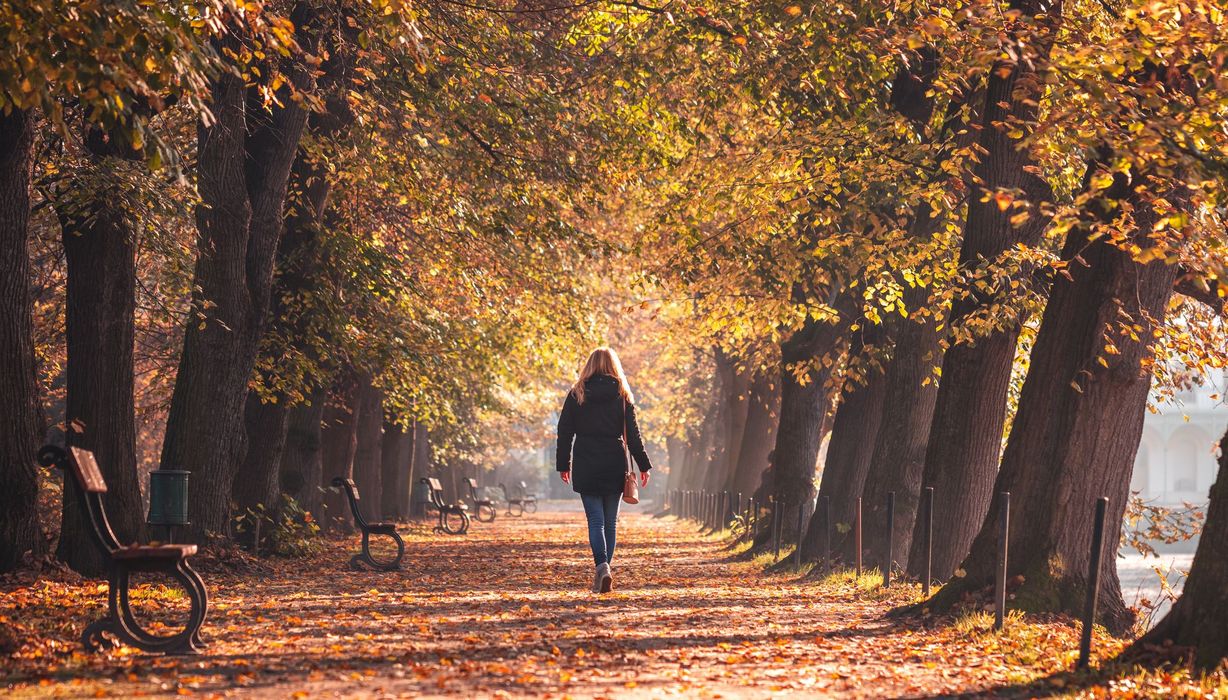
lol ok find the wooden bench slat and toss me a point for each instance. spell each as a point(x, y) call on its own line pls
point(155, 551)
point(89, 476)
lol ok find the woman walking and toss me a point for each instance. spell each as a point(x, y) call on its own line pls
point(599, 414)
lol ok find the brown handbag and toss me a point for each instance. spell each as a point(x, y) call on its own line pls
point(631, 491)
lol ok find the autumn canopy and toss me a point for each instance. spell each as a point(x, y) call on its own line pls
point(847, 251)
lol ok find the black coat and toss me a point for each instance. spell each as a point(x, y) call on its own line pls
point(597, 427)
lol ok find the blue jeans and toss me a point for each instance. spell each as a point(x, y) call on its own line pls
point(602, 515)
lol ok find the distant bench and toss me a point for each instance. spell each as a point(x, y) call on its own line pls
point(484, 510)
point(447, 510)
point(519, 502)
point(515, 504)
point(122, 560)
point(368, 529)
point(529, 499)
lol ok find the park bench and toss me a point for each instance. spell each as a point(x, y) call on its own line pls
point(529, 499)
point(447, 510)
point(484, 508)
point(515, 504)
point(123, 560)
point(387, 529)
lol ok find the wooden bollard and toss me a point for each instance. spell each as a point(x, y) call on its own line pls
point(1004, 527)
point(776, 530)
point(825, 503)
point(890, 538)
point(857, 535)
point(928, 503)
point(797, 551)
point(1093, 584)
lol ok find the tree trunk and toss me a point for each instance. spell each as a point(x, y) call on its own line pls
point(409, 472)
point(699, 457)
point(848, 458)
point(99, 247)
point(244, 160)
point(718, 453)
point(298, 260)
point(259, 481)
point(301, 462)
point(759, 434)
point(19, 430)
point(1199, 618)
point(965, 437)
point(422, 460)
point(897, 458)
point(802, 407)
point(675, 451)
point(367, 456)
point(396, 457)
point(1078, 426)
point(339, 441)
point(897, 450)
point(739, 414)
point(731, 407)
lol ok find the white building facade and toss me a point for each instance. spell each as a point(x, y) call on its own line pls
point(1177, 456)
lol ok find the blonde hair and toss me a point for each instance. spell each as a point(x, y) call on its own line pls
point(603, 360)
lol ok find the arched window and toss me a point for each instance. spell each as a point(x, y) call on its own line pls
point(1189, 456)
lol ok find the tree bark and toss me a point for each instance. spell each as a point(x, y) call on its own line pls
point(897, 458)
point(897, 448)
point(396, 470)
point(718, 454)
point(302, 465)
point(1198, 620)
point(100, 250)
point(265, 425)
point(392, 467)
point(699, 456)
point(848, 458)
point(244, 160)
point(803, 405)
point(675, 450)
point(367, 455)
point(422, 458)
point(339, 440)
point(965, 437)
point(759, 434)
point(19, 431)
point(1078, 426)
point(266, 422)
point(731, 407)
point(297, 262)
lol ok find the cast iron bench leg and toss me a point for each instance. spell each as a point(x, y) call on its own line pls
point(185, 642)
point(374, 563)
point(201, 595)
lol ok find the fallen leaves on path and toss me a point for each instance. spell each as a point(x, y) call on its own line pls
point(505, 612)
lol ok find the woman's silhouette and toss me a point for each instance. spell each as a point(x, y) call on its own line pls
point(598, 412)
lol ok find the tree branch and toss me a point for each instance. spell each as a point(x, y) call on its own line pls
point(1208, 291)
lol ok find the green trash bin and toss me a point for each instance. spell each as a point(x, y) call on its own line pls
point(420, 496)
point(168, 498)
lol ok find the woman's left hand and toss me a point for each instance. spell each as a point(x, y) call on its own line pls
point(643, 479)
